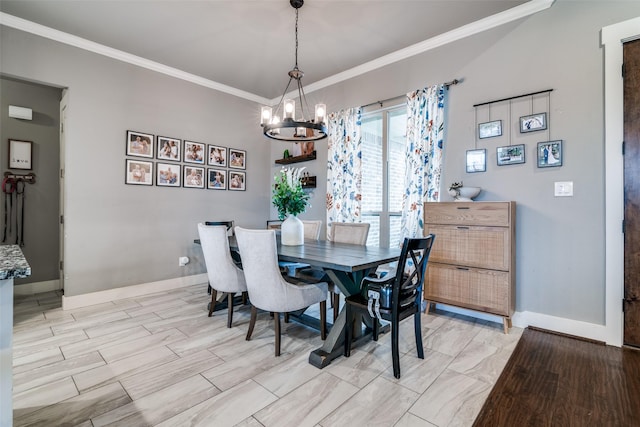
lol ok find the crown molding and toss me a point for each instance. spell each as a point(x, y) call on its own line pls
point(71, 40)
point(521, 11)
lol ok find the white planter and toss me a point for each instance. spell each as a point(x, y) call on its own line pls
point(292, 231)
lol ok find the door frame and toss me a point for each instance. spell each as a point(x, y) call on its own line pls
point(612, 38)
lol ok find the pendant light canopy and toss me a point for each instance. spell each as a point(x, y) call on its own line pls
point(294, 126)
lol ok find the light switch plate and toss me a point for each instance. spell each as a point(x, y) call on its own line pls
point(563, 189)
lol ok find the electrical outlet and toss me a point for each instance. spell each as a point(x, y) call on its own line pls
point(182, 261)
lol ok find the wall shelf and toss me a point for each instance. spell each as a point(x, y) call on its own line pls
point(297, 159)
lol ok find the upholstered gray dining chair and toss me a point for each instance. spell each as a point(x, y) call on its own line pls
point(223, 273)
point(312, 229)
point(268, 289)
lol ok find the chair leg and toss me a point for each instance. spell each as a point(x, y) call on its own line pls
point(229, 309)
point(395, 350)
point(209, 288)
point(376, 328)
point(276, 324)
point(336, 306)
point(245, 297)
point(252, 322)
point(348, 330)
point(286, 318)
point(323, 320)
point(214, 294)
point(418, 331)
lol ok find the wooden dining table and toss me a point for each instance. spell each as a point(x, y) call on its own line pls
point(346, 265)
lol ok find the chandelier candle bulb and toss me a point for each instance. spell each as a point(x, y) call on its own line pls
point(289, 108)
point(266, 115)
point(321, 112)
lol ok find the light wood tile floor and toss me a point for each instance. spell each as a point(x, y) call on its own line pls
point(158, 360)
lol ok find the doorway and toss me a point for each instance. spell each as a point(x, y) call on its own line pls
point(631, 301)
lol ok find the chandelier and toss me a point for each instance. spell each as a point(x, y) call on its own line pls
point(294, 127)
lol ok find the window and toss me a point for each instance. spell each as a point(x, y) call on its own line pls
point(383, 170)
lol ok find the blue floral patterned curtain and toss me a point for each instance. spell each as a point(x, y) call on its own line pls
point(344, 167)
point(425, 131)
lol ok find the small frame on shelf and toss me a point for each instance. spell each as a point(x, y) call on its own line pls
point(193, 177)
point(139, 144)
point(194, 152)
point(237, 181)
point(217, 179)
point(169, 175)
point(533, 122)
point(510, 155)
point(490, 129)
point(139, 172)
point(237, 159)
point(217, 156)
point(20, 154)
point(549, 154)
point(477, 160)
point(168, 148)
point(297, 159)
point(308, 181)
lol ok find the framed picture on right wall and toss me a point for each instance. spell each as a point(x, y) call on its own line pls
point(549, 154)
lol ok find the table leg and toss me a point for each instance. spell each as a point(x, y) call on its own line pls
point(333, 346)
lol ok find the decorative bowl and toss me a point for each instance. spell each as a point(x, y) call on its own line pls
point(465, 194)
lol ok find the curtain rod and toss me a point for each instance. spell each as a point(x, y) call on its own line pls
point(447, 84)
point(514, 97)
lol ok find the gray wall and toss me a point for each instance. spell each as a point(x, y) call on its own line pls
point(116, 234)
point(41, 236)
point(120, 235)
point(560, 241)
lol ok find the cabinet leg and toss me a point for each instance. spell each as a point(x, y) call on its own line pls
point(506, 322)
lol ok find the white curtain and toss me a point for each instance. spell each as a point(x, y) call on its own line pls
point(344, 167)
point(425, 132)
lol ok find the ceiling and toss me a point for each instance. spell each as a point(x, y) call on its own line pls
point(247, 46)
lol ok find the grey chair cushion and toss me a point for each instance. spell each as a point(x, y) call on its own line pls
point(223, 274)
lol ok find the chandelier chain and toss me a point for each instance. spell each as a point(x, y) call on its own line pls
point(296, 67)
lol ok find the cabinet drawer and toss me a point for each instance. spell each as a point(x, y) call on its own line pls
point(477, 289)
point(485, 247)
point(468, 213)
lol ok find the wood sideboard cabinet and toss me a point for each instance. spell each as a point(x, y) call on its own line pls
point(472, 262)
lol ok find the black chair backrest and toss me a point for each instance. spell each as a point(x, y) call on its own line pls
point(407, 286)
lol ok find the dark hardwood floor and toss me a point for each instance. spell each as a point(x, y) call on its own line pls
point(555, 380)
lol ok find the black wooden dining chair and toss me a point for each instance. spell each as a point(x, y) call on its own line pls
point(393, 297)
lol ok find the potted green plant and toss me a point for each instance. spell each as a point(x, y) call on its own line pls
point(290, 200)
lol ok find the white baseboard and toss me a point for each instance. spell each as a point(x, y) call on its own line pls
point(36, 287)
point(578, 328)
point(93, 298)
point(522, 319)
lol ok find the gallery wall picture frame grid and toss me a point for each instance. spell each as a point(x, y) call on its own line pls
point(138, 172)
point(237, 181)
point(139, 144)
point(216, 179)
point(20, 154)
point(193, 177)
point(168, 175)
point(168, 148)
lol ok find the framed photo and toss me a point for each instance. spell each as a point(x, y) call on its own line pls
point(193, 177)
point(168, 175)
point(20, 154)
point(217, 179)
point(237, 159)
point(139, 172)
point(237, 181)
point(510, 155)
point(490, 129)
point(477, 160)
point(168, 148)
point(139, 144)
point(217, 156)
point(549, 154)
point(533, 122)
point(194, 152)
